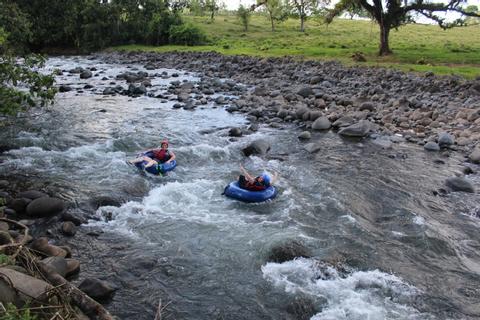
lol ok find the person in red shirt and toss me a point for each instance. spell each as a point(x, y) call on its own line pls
point(260, 183)
point(153, 157)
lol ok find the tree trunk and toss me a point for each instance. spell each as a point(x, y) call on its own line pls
point(302, 23)
point(271, 21)
point(213, 13)
point(384, 44)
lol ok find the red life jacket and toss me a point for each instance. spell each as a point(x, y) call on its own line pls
point(161, 155)
point(255, 185)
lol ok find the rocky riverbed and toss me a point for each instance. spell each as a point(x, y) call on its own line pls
point(281, 114)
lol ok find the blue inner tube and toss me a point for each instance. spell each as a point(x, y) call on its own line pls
point(161, 168)
point(234, 191)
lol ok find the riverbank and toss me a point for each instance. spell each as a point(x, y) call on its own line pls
point(417, 47)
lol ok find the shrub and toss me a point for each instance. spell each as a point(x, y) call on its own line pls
point(187, 34)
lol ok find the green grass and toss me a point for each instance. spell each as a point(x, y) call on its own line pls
point(454, 51)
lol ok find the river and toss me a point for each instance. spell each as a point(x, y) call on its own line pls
point(407, 253)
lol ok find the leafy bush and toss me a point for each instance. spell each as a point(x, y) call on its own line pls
point(12, 313)
point(187, 34)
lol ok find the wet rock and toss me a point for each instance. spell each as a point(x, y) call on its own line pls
point(73, 267)
point(235, 132)
point(460, 184)
point(19, 288)
point(431, 146)
point(305, 135)
point(257, 147)
point(321, 123)
point(5, 237)
point(383, 142)
point(32, 194)
point(369, 106)
point(19, 204)
point(288, 251)
point(312, 147)
point(97, 289)
point(4, 183)
point(301, 308)
point(220, 100)
point(42, 246)
point(58, 264)
point(64, 88)
point(69, 229)
point(44, 207)
point(77, 220)
point(445, 139)
point(108, 91)
point(360, 129)
point(85, 74)
point(102, 201)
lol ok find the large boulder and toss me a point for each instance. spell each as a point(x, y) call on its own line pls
point(312, 147)
point(44, 207)
point(305, 135)
point(344, 121)
point(96, 289)
point(460, 184)
point(359, 129)
point(321, 123)
point(85, 74)
point(59, 264)
point(18, 288)
point(235, 132)
point(19, 204)
point(288, 251)
point(257, 147)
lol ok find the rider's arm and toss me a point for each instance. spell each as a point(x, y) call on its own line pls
point(172, 156)
point(247, 175)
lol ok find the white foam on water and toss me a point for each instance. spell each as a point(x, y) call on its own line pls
point(357, 295)
point(419, 220)
point(349, 218)
point(205, 152)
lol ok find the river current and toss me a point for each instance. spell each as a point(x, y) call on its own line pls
point(408, 253)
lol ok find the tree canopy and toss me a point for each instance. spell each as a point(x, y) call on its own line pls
point(390, 14)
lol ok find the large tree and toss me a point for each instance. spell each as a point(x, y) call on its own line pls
point(276, 11)
point(390, 14)
point(305, 8)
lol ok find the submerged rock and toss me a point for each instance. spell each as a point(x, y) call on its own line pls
point(97, 289)
point(288, 251)
point(257, 147)
point(460, 184)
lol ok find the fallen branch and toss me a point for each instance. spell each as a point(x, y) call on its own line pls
point(20, 244)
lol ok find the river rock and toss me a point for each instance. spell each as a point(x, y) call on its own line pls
point(19, 204)
point(41, 245)
point(97, 289)
point(76, 219)
point(359, 129)
point(19, 288)
point(321, 123)
point(312, 147)
point(68, 228)
point(344, 121)
point(235, 132)
point(460, 184)
point(73, 267)
point(475, 155)
point(369, 106)
point(64, 88)
point(32, 194)
point(85, 74)
point(383, 142)
point(59, 264)
point(288, 251)
point(301, 308)
point(305, 92)
point(305, 135)
point(431, 146)
point(5, 237)
point(44, 207)
point(257, 147)
point(445, 139)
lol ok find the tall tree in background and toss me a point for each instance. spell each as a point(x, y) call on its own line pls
point(276, 11)
point(244, 15)
point(305, 8)
point(472, 9)
point(390, 14)
point(212, 7)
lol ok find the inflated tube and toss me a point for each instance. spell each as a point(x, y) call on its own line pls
point(234, 191)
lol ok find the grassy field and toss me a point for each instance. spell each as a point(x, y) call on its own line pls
point(416, 47)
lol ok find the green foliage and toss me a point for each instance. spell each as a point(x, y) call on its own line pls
point(21, 85)
point(187, 34)
point(12, 313)
point(16, 26)
point(244, 15)
point(4, 259)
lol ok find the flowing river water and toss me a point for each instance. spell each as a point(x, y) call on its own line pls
point(408, 254)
